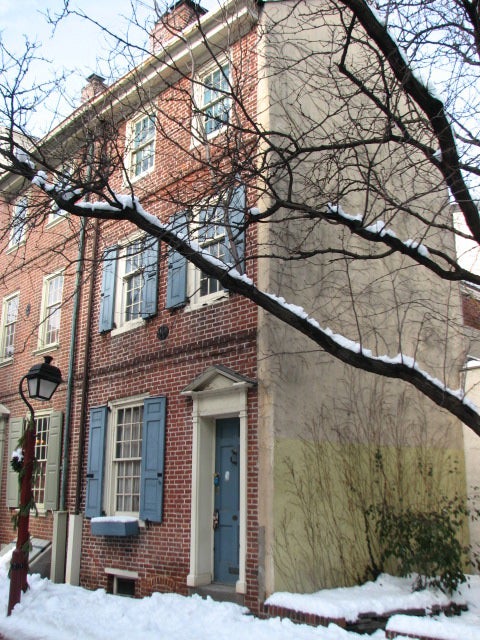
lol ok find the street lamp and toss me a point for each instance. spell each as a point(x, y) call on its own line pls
point(42, 382)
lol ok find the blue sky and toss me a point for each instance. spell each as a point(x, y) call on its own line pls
point(76, 46)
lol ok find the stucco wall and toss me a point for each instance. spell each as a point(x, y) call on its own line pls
point(388, 305)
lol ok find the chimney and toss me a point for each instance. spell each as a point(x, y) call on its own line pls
point(96, 84)
point(178, 16)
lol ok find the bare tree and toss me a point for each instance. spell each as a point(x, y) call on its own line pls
point(356, 168)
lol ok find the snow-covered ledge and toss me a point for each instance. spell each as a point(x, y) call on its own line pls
point(120, 526)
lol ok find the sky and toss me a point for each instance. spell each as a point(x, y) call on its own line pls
point(50, 611)
point(75, 46)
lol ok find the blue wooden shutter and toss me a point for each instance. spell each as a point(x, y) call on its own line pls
point(150, 275)
point(177, 269)
point(52, 471)
point(107, 296)
point(153, 452)
point(236, 217)
point(95, 461)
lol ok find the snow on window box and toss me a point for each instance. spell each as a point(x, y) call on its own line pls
point(119, 526)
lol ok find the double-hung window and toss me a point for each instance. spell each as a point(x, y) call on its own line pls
point(9, 324)
point(49, 334)
point(48, 440)
point(211, 237)
point(129, 284)
point(64, 179)
point(220, 231)
point(142, 154)
point(211, 102)
point(18, 226)
point(126, 458)
point(42, 429)
point(216, 101)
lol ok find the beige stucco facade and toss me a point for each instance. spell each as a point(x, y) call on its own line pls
point(329, 435)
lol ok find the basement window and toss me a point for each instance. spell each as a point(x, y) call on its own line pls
point(121, 582)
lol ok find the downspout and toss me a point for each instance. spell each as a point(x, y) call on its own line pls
point(71, 366)
point(73, 334)
point(86, 372)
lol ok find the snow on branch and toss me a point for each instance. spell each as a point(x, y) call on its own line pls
point(400, 366)
point(425, 97)
point(380, 233)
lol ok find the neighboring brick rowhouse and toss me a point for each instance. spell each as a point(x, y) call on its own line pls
point(471, 310)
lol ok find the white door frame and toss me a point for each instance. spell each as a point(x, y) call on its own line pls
point(218, 393)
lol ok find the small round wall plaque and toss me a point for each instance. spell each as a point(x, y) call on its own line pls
point(162, 332)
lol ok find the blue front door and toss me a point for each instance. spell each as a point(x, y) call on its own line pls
point(227, 501)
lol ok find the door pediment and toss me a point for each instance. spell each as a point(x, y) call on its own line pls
point(217, 378)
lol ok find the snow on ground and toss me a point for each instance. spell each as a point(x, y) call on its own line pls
point(58, 611)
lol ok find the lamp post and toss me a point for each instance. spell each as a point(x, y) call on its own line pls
point(42, 382)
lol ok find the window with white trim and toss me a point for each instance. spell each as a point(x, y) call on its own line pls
point(125, 459)
point(9, 324)
point(48, 446)
point(211, 101)
point(142, 145)
point(18, 227)
point(216, 101)
point(129, 284)
point(42, 430)
point(220, 231)
point(49, 334)
point(63, 183)
point(211, 236)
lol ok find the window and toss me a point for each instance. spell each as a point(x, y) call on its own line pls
point(220, 231)
point(9, 323)
point(42, 428)
point(63, 182)
point(131, 463)
point(216, 103)
point(142, 152)
point(51, 310)
point(126, 459)
point(129, 284)
point(46, 477)
point(19, 223)
point(211, 102)
point(212, 238)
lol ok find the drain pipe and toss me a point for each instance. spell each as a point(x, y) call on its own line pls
point(71, 366)
point(60, 523)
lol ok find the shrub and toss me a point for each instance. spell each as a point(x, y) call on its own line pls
point(424, 543)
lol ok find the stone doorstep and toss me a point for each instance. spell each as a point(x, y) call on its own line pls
point(367, 622)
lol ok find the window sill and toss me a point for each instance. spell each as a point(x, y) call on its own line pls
point(49, 347)
point(129, 326)
point(119, 527)
point(129, 178)
point(15, 247)
point(199, 139)
point(208, 302)
point(6, 361)
point(58, 220)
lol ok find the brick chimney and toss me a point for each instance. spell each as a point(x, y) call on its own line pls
point(96, 84)
point(179, 15)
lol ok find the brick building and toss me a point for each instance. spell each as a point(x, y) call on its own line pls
point(166, 454)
